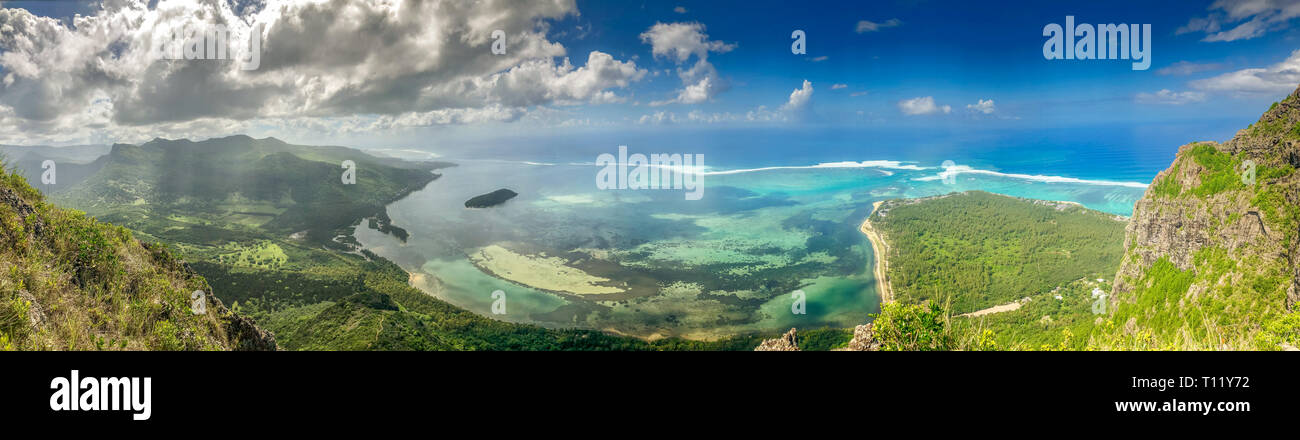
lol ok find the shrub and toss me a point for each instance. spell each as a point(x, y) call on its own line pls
point(911, 327)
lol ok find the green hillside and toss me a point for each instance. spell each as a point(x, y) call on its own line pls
point(1211, 254)
point(1209, 258)
point(238, 187)
point(268, 225)
point(69, 282)
point(976, 250)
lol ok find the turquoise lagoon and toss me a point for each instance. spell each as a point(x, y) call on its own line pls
point(650, 263)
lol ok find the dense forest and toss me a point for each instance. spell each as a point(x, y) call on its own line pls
point(975, 250)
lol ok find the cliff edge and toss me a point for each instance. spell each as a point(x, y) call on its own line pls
point(1210, 251)
point(70, 282)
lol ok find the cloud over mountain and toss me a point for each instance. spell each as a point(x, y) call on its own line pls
point(420, 62)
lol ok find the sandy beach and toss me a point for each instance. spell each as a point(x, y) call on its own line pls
point(879, 249)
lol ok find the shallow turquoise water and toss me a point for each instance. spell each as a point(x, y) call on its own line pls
point(721, 265)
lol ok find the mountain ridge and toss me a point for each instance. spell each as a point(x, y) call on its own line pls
point(1211, 249)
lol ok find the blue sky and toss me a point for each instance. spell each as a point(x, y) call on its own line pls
point(912, 65)
point(957, 52)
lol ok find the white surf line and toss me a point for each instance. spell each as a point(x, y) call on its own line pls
point(897, 165)
point(963, 169)
point(874, 164)
point(885, 164)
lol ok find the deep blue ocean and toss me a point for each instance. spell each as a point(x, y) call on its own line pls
point(1116, 152)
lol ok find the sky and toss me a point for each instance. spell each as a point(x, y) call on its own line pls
point(417, 74)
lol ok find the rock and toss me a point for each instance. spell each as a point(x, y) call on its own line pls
point(35, 312)
point(25, 211)
point(784, 343)
point(246, 336)
point(864, 339)
point(491, 199)
point(1177, 226)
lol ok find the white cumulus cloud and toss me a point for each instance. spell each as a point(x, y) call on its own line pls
point(794, 109)
point(1280, 78)
point(1166, 96)
point(923, 105)
point(865, 26)
point(984, 106)
point(679, 42)
point(800, 97)
point(341, 61)
point(1231, 20)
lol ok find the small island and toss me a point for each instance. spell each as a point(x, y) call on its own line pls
point(491, 199)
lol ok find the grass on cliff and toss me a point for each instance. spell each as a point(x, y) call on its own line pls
point(69, 282)
point(1224, 302)
point(1230, 300)
point(1222, 172)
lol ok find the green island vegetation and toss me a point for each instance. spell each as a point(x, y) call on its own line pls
point(1060, 320)
point(1229, 293)
point(267, 228)
point(1225, 300)
point(976, 250)
point(70, 282)
point(959, 253)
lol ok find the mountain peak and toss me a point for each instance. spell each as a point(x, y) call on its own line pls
point(1216, 233)
point(1274, 139)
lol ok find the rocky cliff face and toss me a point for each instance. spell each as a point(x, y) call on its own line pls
point(863, 340)
point(786, 342)
point(1210, 252)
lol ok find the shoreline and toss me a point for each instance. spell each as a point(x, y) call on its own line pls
point(879, 249)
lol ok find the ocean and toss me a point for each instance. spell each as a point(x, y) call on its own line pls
point(778, 222)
